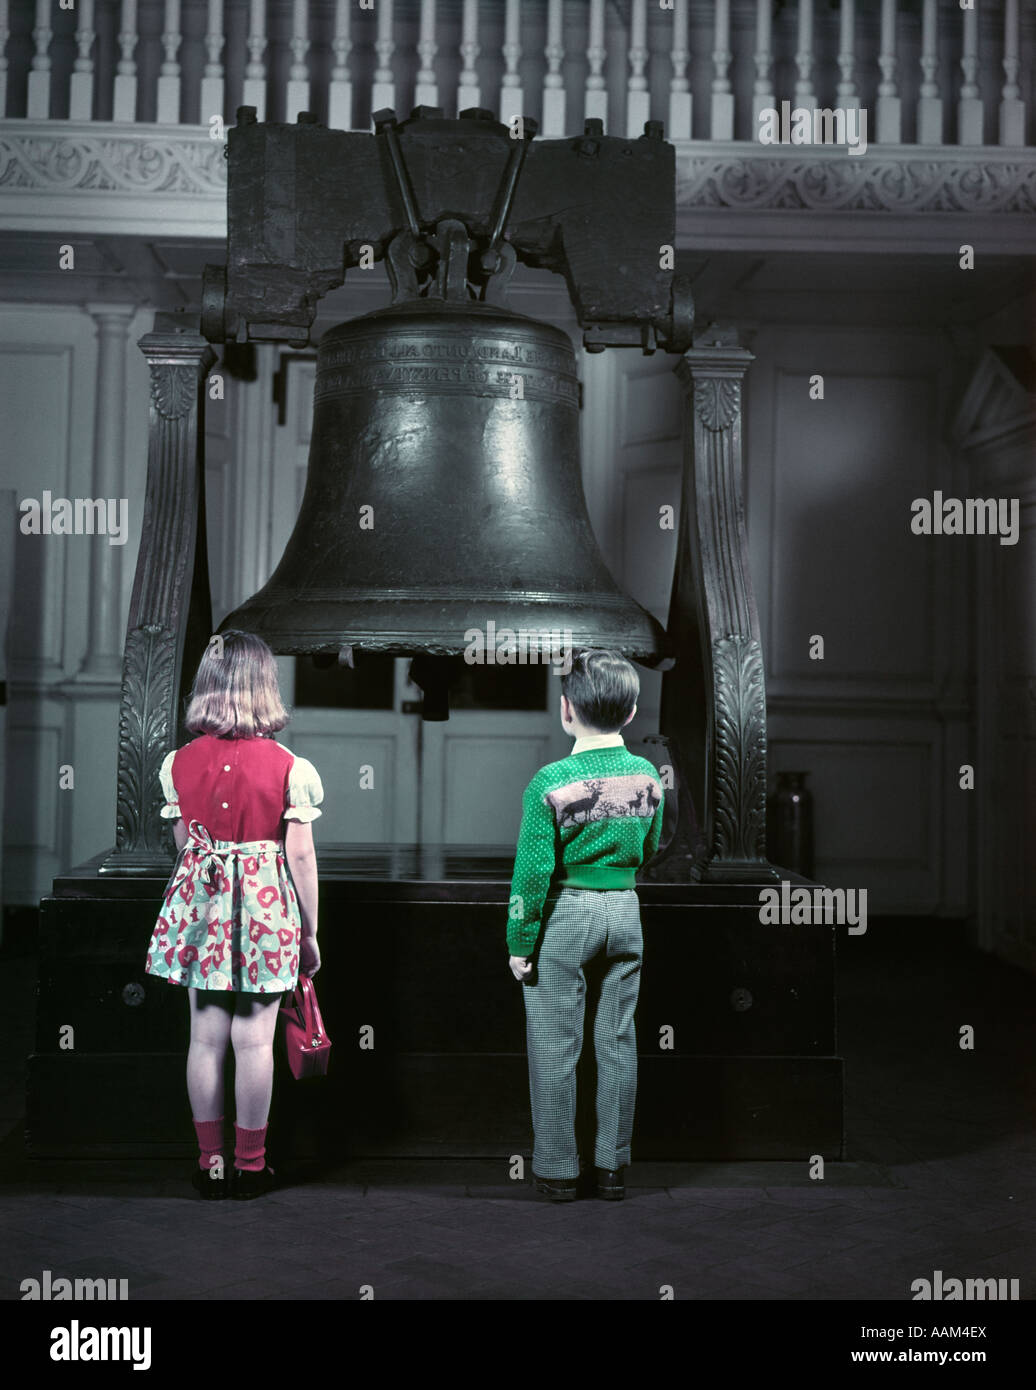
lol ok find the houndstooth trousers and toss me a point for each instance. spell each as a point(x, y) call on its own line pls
point(583, 924)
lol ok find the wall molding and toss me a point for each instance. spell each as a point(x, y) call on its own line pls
point(130, 179)
point(56, 156)
point(853, 703)
point(918, 179)
point(81, 173)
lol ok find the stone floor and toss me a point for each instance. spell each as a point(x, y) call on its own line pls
point(940, 1175)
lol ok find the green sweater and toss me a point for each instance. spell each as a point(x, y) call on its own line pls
point(588, 821)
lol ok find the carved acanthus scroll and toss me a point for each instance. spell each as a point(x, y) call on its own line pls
point(170, 602)
point(714, 700)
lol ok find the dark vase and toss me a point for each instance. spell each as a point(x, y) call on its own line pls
point(791, 824)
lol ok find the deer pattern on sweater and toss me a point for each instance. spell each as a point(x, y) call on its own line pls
point(590, 799)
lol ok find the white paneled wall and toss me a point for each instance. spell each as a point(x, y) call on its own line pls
point(62, 702)
point(829, 485)
point(474, 763)
point(881, 721)
point(47, 421)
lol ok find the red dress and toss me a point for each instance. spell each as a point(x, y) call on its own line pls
point(231, 918)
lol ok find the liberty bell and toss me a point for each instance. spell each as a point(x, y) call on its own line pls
point(443, 496)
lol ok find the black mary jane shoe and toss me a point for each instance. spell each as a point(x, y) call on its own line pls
point(611, 1184)
point(245, 1184)
point(210, 1184)
point(557, 1189)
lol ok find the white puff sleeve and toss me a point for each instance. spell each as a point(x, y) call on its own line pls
point(305, 791)
point(171, 809)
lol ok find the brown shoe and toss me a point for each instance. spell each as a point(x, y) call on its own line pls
point(611, 1184)
point(557, 1189)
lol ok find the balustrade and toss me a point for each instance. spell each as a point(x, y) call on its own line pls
point(928, 70)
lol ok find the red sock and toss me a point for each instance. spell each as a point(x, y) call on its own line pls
point(250, 1149)
point(210, 1141)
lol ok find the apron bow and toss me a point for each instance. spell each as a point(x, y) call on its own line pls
point(209, 859)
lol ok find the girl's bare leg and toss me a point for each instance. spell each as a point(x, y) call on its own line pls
point(251, 1032)
point(211, 1015)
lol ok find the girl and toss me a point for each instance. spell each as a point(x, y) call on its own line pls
point(240, 912)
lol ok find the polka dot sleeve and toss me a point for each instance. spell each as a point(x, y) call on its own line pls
point(654, 835)
point(534, 863)
point(305, 791)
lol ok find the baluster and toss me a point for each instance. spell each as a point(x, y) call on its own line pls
point(211, 99)
point(969, 104)
point(929, 106)
point(847, 97)
point(383, 91)
point(595, 106)
point(805, 96)
point(1012, 108)
point(722, 96)
point(253, 90)
point(890, 114)
point(5, 34)
point(340, 95)
point(81, 85)
point(468, 93)
point(680, 99)
point(124, 98)
point(297, 97)
point(638, 97)
point(763, 96)
point(426, 89)
point(553, 82)
point(512, 93)
point(168, 112)
point(38, 107)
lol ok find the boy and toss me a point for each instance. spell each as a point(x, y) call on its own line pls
point(588, 822)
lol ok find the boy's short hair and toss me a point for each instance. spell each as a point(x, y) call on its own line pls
point(602, 687)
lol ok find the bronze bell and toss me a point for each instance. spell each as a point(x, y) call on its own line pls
point(444, 495)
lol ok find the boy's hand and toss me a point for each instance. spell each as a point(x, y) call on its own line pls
point(520, 966)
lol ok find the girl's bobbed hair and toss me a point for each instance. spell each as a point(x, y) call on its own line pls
point(235, 692)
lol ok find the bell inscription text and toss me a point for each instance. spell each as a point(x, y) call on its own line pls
point(476, 366)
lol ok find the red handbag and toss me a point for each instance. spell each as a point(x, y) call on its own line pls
point(309, 1047)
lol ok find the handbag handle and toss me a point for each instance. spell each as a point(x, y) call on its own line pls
point(309, 993)
point(307, 1008)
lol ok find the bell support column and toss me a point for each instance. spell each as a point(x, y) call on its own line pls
point(714, 712)
point(170, 614)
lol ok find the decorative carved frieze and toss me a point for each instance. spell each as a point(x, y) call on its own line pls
point(883, 181)
point(90, 159)
point(83, 157)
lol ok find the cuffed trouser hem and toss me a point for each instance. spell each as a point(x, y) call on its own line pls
point(618, 1158)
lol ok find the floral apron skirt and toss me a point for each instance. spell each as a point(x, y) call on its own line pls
point(230, 920)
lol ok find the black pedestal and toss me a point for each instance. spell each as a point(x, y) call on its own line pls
point(413, 947)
